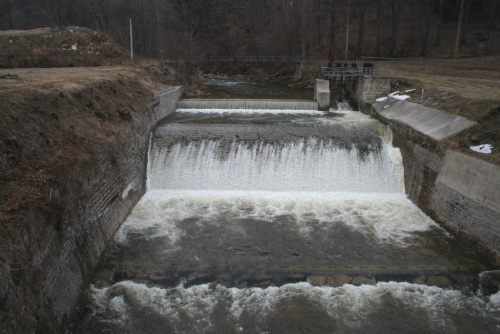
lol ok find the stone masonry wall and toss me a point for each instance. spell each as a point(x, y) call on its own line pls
point(369, 87)
point(102, 195)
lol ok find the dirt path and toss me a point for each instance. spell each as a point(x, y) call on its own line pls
point(469, 88)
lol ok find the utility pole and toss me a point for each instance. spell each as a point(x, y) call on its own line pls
point(347, 31)
point(131, 43)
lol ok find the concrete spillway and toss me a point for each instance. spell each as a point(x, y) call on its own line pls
point(229, 104)
point(254, 218)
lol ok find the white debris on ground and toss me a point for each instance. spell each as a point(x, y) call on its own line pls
point(395, 95)
point(484, 148)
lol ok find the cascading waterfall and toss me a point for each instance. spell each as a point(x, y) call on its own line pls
point(234, 235)
point(310, 166)
point(248, 104)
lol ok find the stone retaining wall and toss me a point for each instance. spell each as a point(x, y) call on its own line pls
point(103, 192)
point(368, 88)
point(458, 191)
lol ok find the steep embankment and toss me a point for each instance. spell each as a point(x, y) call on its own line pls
point(58, 47)
point(462, 87)
point(56, 125)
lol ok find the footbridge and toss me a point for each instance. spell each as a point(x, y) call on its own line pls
point(252, 59)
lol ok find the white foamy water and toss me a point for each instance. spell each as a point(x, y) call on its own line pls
point(385, 307)
point(293, 166)
point(388, 217)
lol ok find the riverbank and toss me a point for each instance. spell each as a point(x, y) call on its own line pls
point(64, 133)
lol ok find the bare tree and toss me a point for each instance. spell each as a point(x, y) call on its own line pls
point(427, 25)
point(396, 10)
point(460, 18)
point(101, 11)
point(361, 9)
point(440, 21)
point(8, 7)
point(55, 9)
point(380, 4)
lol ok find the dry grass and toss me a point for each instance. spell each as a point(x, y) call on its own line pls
point(47, 79)
point(472, 78)
point(37, 31)
point(469, 88)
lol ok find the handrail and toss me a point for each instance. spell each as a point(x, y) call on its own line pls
point(252, 59)
point(385, 58)
point(352, 71)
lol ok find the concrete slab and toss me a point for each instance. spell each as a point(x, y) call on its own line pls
point(322, 93)
point(473, 178)
point(429, 121)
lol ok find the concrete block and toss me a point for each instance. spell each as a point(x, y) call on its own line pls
point(322, 93)
point(435, 124)
point(475, 179)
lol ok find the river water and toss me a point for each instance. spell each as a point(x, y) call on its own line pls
point(282, 236)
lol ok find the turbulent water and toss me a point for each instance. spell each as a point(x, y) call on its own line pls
point(303, 166)
point(128, 307)
point(261, 237)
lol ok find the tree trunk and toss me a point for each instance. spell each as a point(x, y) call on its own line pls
point(361, 29)
point(438, 33)
point(332, 34)
point(457, 40)
point(465, 24)
point(426, 35)
point(396, 8)
point(318, 20)
point(303, 27)
point(379, 26)
point(311, 10)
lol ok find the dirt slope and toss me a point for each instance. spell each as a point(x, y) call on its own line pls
point(52, 121)
point(469, 88)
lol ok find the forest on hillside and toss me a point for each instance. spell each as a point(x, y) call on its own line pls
point(317, 29)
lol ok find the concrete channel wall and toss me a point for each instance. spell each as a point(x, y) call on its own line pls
point(104, 193)
point(458, 191)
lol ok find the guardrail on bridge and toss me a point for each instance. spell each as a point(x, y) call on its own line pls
point(353, 71)
point(252, 59)
point(393, 59)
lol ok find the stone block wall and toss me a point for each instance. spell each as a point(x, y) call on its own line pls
point(102, 192)
point(369, 87)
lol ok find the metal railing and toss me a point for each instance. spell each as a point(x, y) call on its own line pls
point(393, 59)
point(353, 71)
point(252, 59)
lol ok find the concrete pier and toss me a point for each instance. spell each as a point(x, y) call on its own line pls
point(322, 93)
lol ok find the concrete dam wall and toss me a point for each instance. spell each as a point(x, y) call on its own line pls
point(458, 191)
point(248, 104)
point(248, 203)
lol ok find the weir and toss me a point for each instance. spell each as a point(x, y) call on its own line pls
point(230, 104)
point(281, 221)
